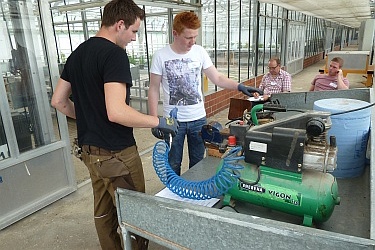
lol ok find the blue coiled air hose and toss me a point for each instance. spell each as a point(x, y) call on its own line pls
point(215, 186)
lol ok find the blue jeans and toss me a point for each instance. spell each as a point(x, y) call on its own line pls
point(195, 144)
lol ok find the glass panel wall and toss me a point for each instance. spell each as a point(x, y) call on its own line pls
point(26, 80)
point(228, 36)
point(222, 54)
point(296, 41)
point(237, 34)
point(247, 26)
point(315, 36)
point(4, 148)
point(72, 28)
point(271, 31)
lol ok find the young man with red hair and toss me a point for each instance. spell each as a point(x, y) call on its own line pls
point(178, 67)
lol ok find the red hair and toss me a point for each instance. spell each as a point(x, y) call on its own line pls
point(186, 20)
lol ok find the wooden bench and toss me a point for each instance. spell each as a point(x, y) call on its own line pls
point(355, 62)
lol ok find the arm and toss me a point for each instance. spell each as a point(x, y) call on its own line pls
point(60, 99)
point(340, 80)
point(312, 85)
point(153, 94)
point(219, 79)
point(287, 83)
point(224, 82)
point(119, 112)
point(261, 87)
point(265, 94)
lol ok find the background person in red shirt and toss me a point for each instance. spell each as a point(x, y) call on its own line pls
point(333, 80)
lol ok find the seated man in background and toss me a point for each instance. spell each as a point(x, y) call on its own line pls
point(275, 81)
point(333, 80)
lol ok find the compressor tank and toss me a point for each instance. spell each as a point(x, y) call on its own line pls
point(310, 194)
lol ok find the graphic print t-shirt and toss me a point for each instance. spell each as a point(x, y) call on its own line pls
point(181, 81)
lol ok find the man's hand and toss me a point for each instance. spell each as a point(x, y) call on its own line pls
point(249, 91)
point(340, 74)
point(257, 96)
point(157, 133)
point(166, 126)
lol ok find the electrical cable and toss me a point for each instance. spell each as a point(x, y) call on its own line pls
point(232, 207)
point(233, 120)
point(339, 113)
point(213, 187)
point(252, 183)
point(353, 110)
point(297, 110)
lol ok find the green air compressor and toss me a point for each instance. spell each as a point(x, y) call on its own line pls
point(287, 167)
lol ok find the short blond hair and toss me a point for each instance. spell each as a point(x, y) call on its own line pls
point(338, 60)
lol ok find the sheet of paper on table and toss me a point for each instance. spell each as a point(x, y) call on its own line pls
point(166, 193)
point(253, 99)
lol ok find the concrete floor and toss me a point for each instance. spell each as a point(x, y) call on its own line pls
point(68, 223)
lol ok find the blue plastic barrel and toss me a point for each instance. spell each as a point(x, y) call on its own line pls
point(351, 131)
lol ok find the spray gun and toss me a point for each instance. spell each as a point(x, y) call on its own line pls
point(172, 114)
point(162, 135)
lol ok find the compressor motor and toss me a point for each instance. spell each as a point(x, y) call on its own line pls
point(287, 167)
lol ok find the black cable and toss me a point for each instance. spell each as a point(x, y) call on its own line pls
point(303, 111)
point(233, 120)
point(230, 207)
point(297, 110)
point(252, 183)
point(248, 122)
point(339, 113)
point(353, 110)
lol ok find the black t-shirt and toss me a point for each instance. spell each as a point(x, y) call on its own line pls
point(95, 62)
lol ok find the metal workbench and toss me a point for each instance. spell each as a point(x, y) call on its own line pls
point(179, 225)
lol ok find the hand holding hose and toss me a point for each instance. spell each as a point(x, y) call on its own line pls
point(249, 91)
point(166, 126)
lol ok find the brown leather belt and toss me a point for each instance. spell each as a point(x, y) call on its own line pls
point(98, 151)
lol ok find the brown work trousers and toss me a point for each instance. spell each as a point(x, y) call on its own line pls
point(108, 171)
